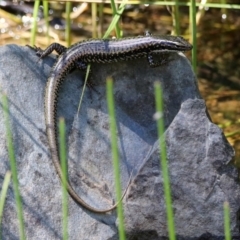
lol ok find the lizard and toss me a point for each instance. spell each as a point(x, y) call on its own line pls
point(90, 51)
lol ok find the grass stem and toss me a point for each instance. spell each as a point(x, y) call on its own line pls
point(163, 162)
point(115, 156)
point(12, 161)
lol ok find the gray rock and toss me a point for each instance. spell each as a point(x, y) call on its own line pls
point(198, 152)
point(201, 180)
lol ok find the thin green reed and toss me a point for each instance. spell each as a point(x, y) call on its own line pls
point(227, 221)
point(94, 19)
point(115, 18)
point(193, 34)
point(84, 87)
point(63, 158)
point(68, 23)
point(223, 10)
point(176, 19)
point(115, 157)
point(3, 195)
point(101, 20)
point(117, 28)
point(45, 14)
point(163, 157)
point(12, 161)
point(34, 24)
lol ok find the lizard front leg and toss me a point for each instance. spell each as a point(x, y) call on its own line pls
point(44, 53)
point(164, 59)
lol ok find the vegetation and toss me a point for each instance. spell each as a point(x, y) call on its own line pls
point(115, 27)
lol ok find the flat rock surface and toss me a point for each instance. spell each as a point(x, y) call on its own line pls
point(197, 150)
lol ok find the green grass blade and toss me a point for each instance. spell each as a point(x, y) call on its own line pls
point(163, 162)
point(68, 23)
point(113, 6)
point(45, 14)
point(101, 20)
point(117, 28)
point(34, 24)
point(63, 158)
point(94, 19)
point(3, 195)
point(115, 156)
point(223, 10)
point(115, 18)
point(193, 34)
point(84, 87)
point(176, 18)
point(227, 221)
point(13, 167)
